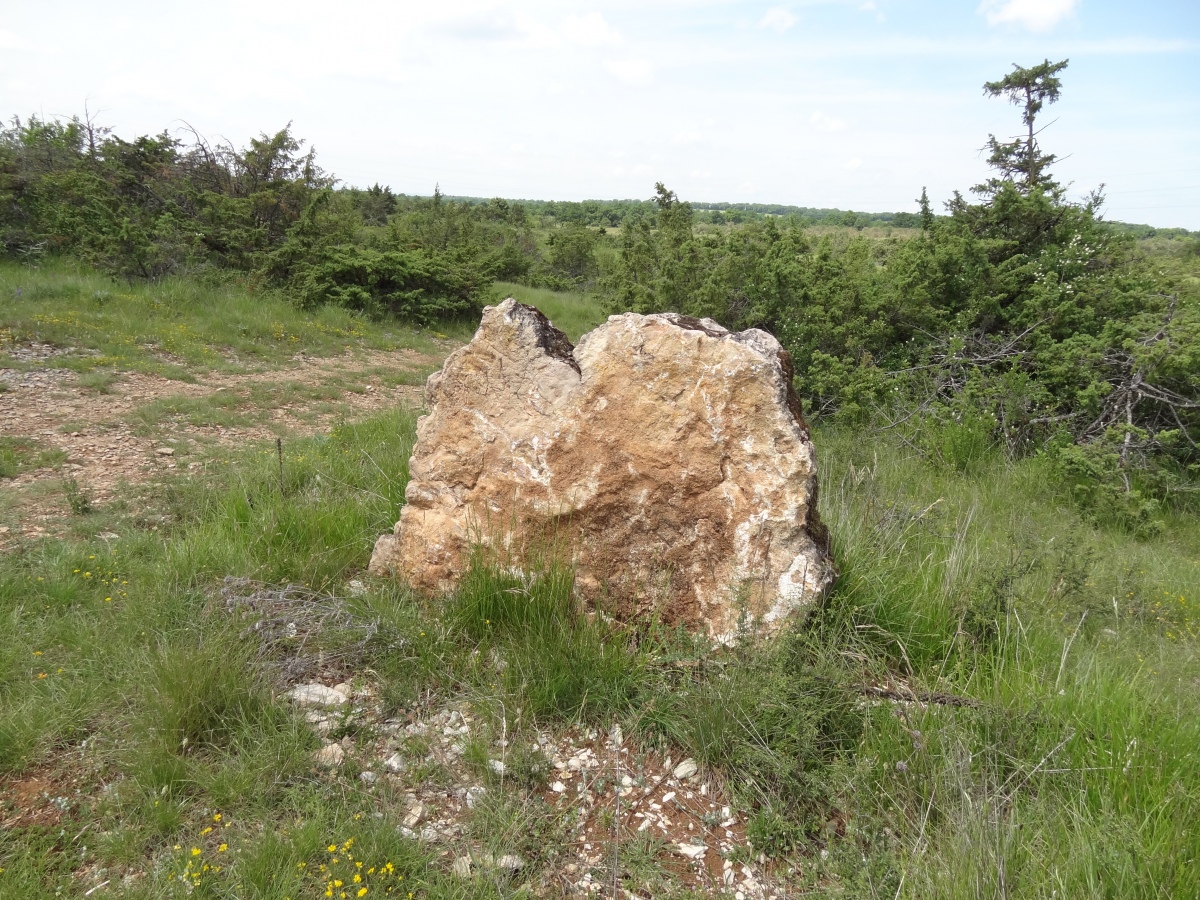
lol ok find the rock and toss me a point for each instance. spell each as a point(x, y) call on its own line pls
point(462, 867)
point(685, 769)
point(368, 777)
point(692, 851)
point(496, 766)
point(475, 795)
point(320, 722)
point(415, 814)
point(344, 689)
point(395, 764)
point(315, 695)
point(510, 863)
point(558, 787)
point(330, 756)
point(165, 451)
point(665, 458)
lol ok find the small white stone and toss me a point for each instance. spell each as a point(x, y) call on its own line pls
point(415, 813)
point(462, 867)
point(165, 451)
point(692, 851)
point(395, 764)
point(475, 793)
point(314, 695)
point(330, 756)
point(368, 777)
point(558, 787)
point(686, 769)
point(510, 862)
point(496, 766)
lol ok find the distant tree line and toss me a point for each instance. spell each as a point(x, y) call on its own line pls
point(617, 213)
point(159, 205)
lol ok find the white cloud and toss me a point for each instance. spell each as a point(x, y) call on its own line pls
point(9, 41)
point(823, 122)
point(852, 164)
point(590, 30)
point(1036, 15)
point(490, 26)
point(630, 71)
point(778, 19)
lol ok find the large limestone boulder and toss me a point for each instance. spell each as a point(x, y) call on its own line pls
point(664, 458)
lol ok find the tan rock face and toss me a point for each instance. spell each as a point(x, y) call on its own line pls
point(664, 458)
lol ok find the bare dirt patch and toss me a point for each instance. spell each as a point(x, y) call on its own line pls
point(110, 447)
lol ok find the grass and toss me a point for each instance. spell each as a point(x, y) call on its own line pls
point(230, 407)
point(19, 455)
point(175, 327)
point(1057, 756)
point(572, 313)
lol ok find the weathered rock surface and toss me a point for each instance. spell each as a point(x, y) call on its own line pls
point(664, 458)
point(315, 695)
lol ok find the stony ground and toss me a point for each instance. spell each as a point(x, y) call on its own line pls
point(603, 788)
point(135, 426)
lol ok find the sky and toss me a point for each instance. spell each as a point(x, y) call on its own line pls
point(820, 103)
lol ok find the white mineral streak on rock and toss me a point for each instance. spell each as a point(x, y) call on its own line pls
point(664, 458)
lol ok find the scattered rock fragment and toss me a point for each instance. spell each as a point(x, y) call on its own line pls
point(330, 756)
point(685, 769)
point(395, 764)
point(510, 863)
point(415, 814)
point(475, 795)
point(315, 695)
